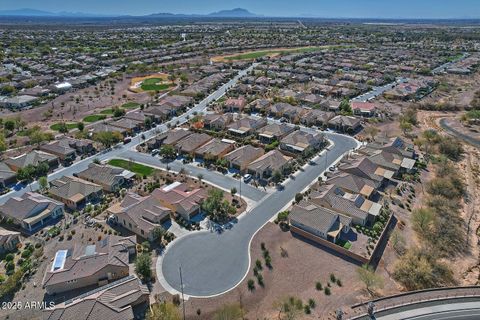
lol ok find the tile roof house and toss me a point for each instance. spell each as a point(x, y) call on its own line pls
point(74, 192)
point(240, 158)
point(273, 132)
point(215, 121)
point(266, 165)
point(354, 184)
point(87, 265)
point(319, 221)
point(192, 142)
point(394, 145)
point(129, 125)
point(31, 211)
point(169, 138)
point(302, 142)
point(317, 117)
point(110, 178)
point(361, 210)
point(8, 240)
point(7, 176)
point(365, 168)
point(180, 200)
point(246, 126)
point(114, 301)
point(215, 149)
point(364, 109)
point(235, 105)
point(140, 215)
point(33, 158)
point(345, 123)
point(62, 150)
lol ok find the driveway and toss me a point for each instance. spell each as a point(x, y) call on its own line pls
point(213, 263)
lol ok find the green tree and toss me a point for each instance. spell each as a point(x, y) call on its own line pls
point(371, 131)
point(9, 125)
point(289, 308)
point(369, 278)
point(143, 266)
point(80, 126)
point(62, 127)
point(345, 107)
point(277, 176)
point(3, 142)
point(158, 232)
point(118, 112)
point(229, 312)
point(43, 184)
point(216, 207)
point(168, 152)
point(163, 311)
point(107, 138)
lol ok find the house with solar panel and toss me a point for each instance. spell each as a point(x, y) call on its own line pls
point(85, 265)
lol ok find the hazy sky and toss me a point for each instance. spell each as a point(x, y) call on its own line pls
point(318, 8)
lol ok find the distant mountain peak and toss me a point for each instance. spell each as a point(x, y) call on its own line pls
point(234, 13)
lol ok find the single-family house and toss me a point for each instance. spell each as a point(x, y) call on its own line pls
point(110, 178)
point(345, 123)
point(240, 158)
point(7, 176)
point(215, 149)
point(169, 138)
point(235, 105)
point(33, 158)
point(180, 199)
point(140, 215)
point(192, 142)
point(217, 122)
point(32, 211)
point(364, 109)
point(302, 142)
point(319, 221)
point(274, 132)
point(246, 126)
point(83, 265)
point(74, 192)
point(8, 240)
point(361, 210)
point(113, 301)
point(266, 165)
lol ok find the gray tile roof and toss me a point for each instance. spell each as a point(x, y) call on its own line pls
point(103, 174)
point(27, 205)
point(244, 155)
point(111, 302)
point(81, 261)
point(67, 187)
point(5, 172)
point(34, 158)
point(273, 160)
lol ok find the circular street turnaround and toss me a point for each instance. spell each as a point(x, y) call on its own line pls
point(213, 263)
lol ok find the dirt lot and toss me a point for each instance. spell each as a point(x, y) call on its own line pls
point(75, 105)
point(293, 275)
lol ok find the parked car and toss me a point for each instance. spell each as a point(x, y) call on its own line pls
point(247, 178)
point(155, 152)
point(127, 140)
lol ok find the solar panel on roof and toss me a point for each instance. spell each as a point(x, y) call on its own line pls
point(90, 250)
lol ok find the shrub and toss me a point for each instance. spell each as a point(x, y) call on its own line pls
point(332, 277)
point(312, 303)
point(339, 282)
point(258, 264)
point(318, 286)
point(260, 280)
point(9, 257)
point(251, 285)
point(327, 291)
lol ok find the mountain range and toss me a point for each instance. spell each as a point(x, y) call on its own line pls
point(27, 12)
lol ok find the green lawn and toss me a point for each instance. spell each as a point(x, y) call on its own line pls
point(132, 166)
point(94, 118)
point(107, 111)
point(154, 84)
point(345, 244)
point(263, 53)
point(130, 105)
point(70, 126)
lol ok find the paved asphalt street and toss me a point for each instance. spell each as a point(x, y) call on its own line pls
point(115, 152)
point(212, 177)
point(444, 310)
point(212, 262)
point(445, 125)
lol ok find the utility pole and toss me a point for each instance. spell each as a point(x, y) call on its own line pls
point(240, 183)
point(183, 298)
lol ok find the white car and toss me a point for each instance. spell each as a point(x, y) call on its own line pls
point(247, 178)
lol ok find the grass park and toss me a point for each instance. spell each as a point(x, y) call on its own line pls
point(155, 82)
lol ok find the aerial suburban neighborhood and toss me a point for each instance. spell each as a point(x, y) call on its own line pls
point(233, 165)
